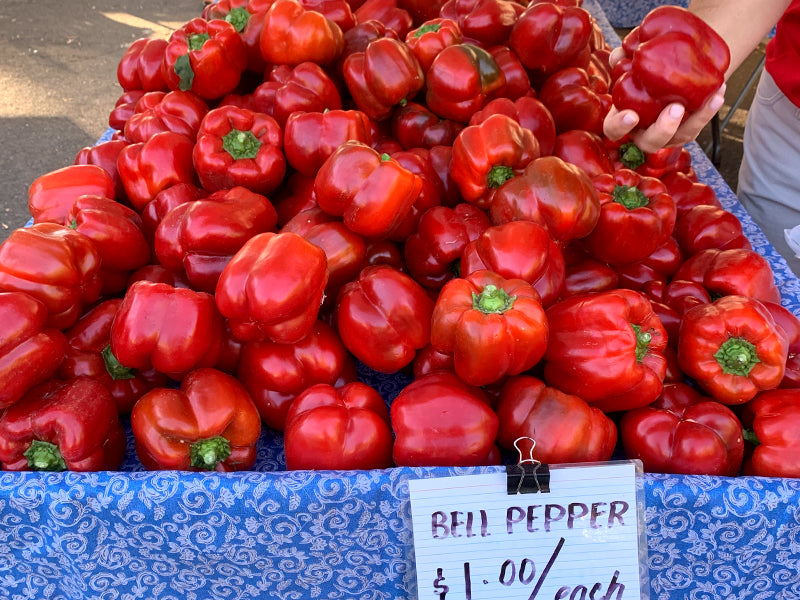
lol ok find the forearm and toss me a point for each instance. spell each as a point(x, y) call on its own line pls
point(741, 23)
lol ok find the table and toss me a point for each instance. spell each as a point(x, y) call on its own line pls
point(269, 533)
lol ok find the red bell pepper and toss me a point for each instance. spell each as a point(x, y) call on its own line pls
point(338, 11)
point(461, 80)
point(688, 193)
point(430, 38)
point(383, 318)
point(124, 107)
point(553, 193)
point(373, 193)
point(705, 226)
point(152, 166)
point(606, 348)
point(165, 201)
point(494, 327)
point(89, 355)
point(104, 155)
point(305, 87)
point(292, 35)
point(51, 196)
point(636, 217)
point(539, 261)
point(388, 12)
point(209, 424)
point(275, 373)
point(357, 38)
point(247, 17)
point(63, 425)
point(487, 155)
point(56, 265)
point(439, 420)
point(773, 419)
point(272, 288)
point(733, 348)
point(139, 69)
point(415, 126)
point(433, 251)
point(790, 324)
point(30, 351)
point(518, 82)
point(483, 22)
point(239, 147)
point(548, 37)
point(385, 252)
point(116, 232)
point(674, 56)
point(157, 274)
point(576, 100)
point(737, 271)
point(659, 267)
point(418, 162)
point(529, 112)
point(172, 330)
point(310, 138)
point(583, 149)
point(155, 112)
point(338, 428)
point(385, 74)
point(685, 432)
point(199, 238)
point(586, 275)
point(205, 57)
point(563, 426)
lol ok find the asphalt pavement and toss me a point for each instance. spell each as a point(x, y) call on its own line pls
point(58, 82)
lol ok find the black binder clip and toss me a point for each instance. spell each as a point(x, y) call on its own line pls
point(529, 475)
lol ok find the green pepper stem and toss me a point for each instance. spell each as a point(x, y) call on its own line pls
point(196, 40)
point(631, 155)
point(427, 28)
point(44, 456)
point(241, 144)
point(184, 72)
point(207, 454)
point(737, 356)
point(750, 436)
point(492, 300)
point(630, 197)
point(114, 367)
point(238, 17)
point(499, 174)
point(643, 339)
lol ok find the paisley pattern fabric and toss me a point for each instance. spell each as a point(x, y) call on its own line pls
point(269, 533)
point(630, 13)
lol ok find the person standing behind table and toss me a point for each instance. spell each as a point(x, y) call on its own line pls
point(769, 176)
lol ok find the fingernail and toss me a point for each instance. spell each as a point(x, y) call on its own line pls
point(676, 111)
point(716, 102)
point(629, 119)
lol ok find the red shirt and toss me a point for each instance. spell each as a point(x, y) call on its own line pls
point(783, 53)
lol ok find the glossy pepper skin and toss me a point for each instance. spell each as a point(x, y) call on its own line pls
point(733, 348)
point(576, 100)
point(56, 265)
point(383, 318)
point(239, 147)
point(89, 354)
point(674, 56)
point(199, 238)
point(272, 288)
point(139, 68)
point(564, 427)
point(292, 35)
point(461, 80)
point(371, 192)
point(433, 251)
point(178, 111)
point(30, 351)
point(205, 57)
point(494, 327)
point(607, 348)
point(172, 330)
point(304, 87)
point(414, 126)
point(440, 420)
point(431, 37)
point(707, 226)
point(686, 432)
point(51, 196)
point(583, 149)
point(487, 155)
point(772, 419)
point(246, 16)
point(529, 112)
point(275, 374)
point(104, 155)
point(338, 428)
point(637, 215)
point(63, 425)
point(484, 22)
point(150, 167)
point(553, 193)
point(209, 424)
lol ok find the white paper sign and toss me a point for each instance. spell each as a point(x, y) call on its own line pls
point(474, 541)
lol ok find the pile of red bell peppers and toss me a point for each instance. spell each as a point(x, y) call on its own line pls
point(293, 186)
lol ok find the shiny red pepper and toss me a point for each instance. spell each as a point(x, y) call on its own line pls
point(733, 348)
point(706, 226)
point(30, 351)
point(388, 12)
point(606, 348)
point(529, 112)
point(583, 149)
point(176, 111)
point(140, 67)
point(292, 35)
point(104, 155)
point(209, 424)
point(483, 22)
point(415, 126)
point(63, 425)
point(773, 423)
point(51, 196)
point(430, 38)
point(576, 100)
point(246, 16)
point(338, 428)
point(494, 327)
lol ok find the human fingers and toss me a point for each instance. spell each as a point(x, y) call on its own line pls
point(616, 55)
point(661, 133)
point(619, 123)
point(696, 121)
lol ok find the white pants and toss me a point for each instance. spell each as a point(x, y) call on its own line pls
point(769, 177)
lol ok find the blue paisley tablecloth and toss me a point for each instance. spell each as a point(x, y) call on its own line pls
point(347, 535)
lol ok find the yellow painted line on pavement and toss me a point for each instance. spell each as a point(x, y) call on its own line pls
point(157, 30)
